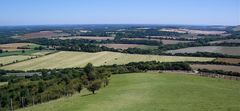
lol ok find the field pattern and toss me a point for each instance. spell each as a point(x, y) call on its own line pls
point(67, 59)
point(216, 67)
point(11, 59)
point(153, 92)
point(213, 49)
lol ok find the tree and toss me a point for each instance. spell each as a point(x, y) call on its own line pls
point(1, 51)
point(94, 86)
point(23, 51)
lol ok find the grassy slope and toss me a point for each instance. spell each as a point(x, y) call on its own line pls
point(154, 92)
point(79, 59)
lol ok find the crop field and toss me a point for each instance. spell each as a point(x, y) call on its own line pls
point(216, 67)
point(228, 60)
point(226, 41)
point(43, 34)
point(11, 59)
point(15, 46)
point(67, 59)
point(3, 83)
point(153, 92)
point(165, 42)
point(88, 38)
point(213, 49)
point(126, 46)
point(194, 31)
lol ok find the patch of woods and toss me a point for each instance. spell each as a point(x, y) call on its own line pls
point(53, 84)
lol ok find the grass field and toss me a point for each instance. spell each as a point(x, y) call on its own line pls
point(216, 67)
point(3, 83)
point(213, 49)
point(10, 59)
point(67, 59)
point(153, 92)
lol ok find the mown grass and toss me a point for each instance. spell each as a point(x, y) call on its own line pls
point(67, 59)
point(154, 92)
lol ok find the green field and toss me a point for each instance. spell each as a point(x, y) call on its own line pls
point(10, 59)
point(3, 83)
point(153, 92)
point(67, 59)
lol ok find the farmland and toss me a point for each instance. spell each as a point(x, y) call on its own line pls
point(194, 31)
point(213, 49)
point(17, 46)
point(11, 59)
point(88, 38)
point(43, 34)
point(165, 42)
point(126, 46)
point(153, 92)
point(67, 59)
point(216, 67)
point(228, 60)
point(227, 41)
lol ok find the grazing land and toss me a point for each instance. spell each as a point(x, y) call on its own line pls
point(213, 49)
point(88, 38)
point(216, 67)
point(153, 92)
point(67, 59)
point(228, 60)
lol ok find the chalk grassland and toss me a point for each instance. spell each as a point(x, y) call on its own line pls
point(88, 38)
point(213, 49)
point(67, 59)
point(126, 46)
point(15, 46)
point(11, 59)
point(153, 92)
point(216, 67)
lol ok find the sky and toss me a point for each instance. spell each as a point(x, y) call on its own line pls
point(181, 12)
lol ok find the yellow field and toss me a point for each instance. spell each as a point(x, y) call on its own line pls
point(10, 59)
point(67, 59)
point(14, 46)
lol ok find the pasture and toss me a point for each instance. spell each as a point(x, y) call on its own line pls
point(68, 59)
point(153, 92)
point(213, 49)
point(216, 67)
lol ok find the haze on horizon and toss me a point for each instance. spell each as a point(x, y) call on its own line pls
point(191, 12)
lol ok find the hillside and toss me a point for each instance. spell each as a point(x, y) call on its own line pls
point(67, 59)
point(153, 92)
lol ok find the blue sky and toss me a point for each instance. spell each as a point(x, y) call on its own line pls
point(193, 12)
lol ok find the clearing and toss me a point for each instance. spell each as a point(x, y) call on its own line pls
point(68, 59)
point(153, 92)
